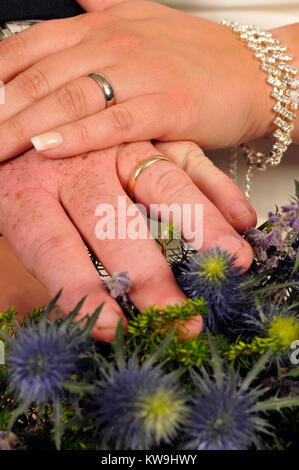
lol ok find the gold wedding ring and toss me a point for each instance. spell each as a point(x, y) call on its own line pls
point(139, 168)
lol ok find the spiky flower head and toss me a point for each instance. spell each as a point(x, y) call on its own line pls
point(225, 408)
point(279, 322)
point(41, 359)
point(136, 405)
point(214, 276)
point(39, 362)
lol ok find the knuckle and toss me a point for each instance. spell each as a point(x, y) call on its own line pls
point(171, 183)
point(196, 160)
point(181, 106)
point(146, 281)
point(17, 130)
point(51, 248)
point(71, 100)
point(13, 48)
point(33, 84)
point(83, 134)
point(121, 118)
point(125, 39)
point(142, 282)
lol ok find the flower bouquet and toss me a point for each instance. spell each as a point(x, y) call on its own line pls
point(234, 386)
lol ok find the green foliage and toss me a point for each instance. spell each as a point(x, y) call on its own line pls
point(7, 320)
point(247, 352)
point(151, 326)
point(147, 329)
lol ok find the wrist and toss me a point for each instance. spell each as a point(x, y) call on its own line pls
point(288, 37)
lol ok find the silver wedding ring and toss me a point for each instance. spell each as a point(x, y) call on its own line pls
point(106, 88)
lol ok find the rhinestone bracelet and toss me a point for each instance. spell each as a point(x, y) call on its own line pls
point(276, 63)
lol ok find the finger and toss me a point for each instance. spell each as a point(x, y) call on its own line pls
point(76, 99)
point(49, 246)
point(164, 182)
point(153, 282)
point(141, 118)
point(51, 73)
point(213, 182)
point(21, 51)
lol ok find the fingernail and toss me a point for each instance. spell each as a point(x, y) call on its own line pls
point(108, 319)
point(240, 209)
point(229, 243)
point(46, 141)
point(106, 327)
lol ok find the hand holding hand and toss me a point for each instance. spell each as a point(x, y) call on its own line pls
point(174, 76)
point(48, 208)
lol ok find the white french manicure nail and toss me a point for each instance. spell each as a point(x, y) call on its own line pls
point(46, 141)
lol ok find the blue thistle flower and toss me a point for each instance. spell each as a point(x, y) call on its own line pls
point(225, 408)
point(136, 405)
point(214, 276)
point(41, 360)
point(220, 417)
point(279, 322)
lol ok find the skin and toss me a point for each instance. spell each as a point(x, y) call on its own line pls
point(48, 206)
point(162, 64)
point(128, 41)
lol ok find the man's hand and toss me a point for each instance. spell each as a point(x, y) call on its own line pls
point(48, 208)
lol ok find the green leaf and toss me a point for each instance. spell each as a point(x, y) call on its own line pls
point(119, 344)
point(215, 360)
point(58, 423)
point(71, 316)
point(252, 281)
point(162, 348)
point(256, 369)
point(92, 319)
point(296, 266)
point(52, 304)
point(276, 404)
point(296, 188)
point(23, 408)
point(276, 287)
point(293, 373)
point(78, 387)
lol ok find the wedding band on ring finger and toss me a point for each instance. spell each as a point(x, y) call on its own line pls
point(139, 168)
point(106, 87)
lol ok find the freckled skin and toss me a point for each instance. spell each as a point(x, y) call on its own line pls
point(48, 206)
point(48, 211)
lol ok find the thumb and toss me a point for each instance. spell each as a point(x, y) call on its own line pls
point(98, 5)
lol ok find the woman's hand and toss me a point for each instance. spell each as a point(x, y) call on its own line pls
point(175, 77)
point(48, 207)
